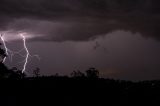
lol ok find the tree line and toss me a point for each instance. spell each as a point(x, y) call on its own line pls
point(15, 73)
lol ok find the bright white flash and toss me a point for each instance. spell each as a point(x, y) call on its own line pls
point(6, 49)
point(27, 53)
point(11, 53)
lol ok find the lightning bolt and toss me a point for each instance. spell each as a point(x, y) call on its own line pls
point(6, 49)
point(27, 52)
point(11, 53)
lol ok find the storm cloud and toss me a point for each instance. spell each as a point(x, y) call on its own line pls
point(79, 20)
point(68, 35)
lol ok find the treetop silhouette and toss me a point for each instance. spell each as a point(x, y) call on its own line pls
point(13, 73)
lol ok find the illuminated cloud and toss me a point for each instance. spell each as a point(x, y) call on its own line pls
point(78, 20)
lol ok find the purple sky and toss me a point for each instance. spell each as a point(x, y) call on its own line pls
point(120, 38)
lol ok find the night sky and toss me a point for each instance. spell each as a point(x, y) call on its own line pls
point(121, 38)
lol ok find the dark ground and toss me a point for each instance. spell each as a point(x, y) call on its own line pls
point(55, 91)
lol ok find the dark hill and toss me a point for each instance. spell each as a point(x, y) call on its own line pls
point(55, 91)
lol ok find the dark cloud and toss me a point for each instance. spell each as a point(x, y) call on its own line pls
point(120, 54)
point(77, 20)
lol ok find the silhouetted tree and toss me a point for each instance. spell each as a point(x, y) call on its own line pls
point(20, 75)
point(8, 73)
point(56, 75)
point(76, 74)
point(92, 73)
point(3, 69)
point(2, 54)
point(16, 74)
point(36, 72)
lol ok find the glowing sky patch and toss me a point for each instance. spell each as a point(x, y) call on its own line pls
point(10, 36)
point(11, 53)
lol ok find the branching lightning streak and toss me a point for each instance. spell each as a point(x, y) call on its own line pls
point(27, 53)
point(6, 49)
point(11, 53)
